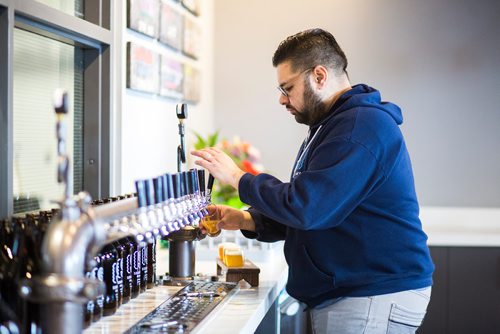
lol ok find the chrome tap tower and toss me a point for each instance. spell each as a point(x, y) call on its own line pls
point(164, 206)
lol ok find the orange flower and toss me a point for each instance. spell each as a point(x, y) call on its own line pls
point(248, 167)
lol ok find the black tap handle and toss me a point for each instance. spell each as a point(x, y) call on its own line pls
point(61, 101)
point(159, 193)
point(168, 186)
point(201, 180)
point(181, 110)
point(177, 185)
point(150, 192)
point(184, 184)
point(140, 188)
point(210, 183)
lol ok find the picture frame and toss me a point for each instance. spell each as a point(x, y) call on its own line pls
point(192, 38)
point(171, 77)
point(143, 16)
point(171, 26)
point(192, 84)
point(142, 68)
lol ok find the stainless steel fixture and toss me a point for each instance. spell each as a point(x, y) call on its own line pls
point(80, 230)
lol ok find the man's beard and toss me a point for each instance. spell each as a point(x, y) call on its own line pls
point(314, 109)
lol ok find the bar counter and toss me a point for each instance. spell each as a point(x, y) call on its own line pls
point(239, 313)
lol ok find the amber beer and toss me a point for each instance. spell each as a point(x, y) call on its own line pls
point(211, 220)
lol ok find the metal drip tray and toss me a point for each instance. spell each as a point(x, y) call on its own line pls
point(186, 309)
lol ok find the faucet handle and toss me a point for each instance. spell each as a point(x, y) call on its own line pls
point(141, 193)
point(60, 101)
point(201, 180)
point(158, 189)
point(150, 192)
point(168, 186)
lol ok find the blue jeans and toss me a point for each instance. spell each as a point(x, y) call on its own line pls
point(400, 312)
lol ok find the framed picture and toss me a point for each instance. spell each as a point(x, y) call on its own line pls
point(142, 68)
point(192, 84)
point(192, 5)
point(171, 78)
point(143, 16)
point(170, 26)
point(192, 38)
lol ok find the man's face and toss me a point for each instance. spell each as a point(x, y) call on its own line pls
point(297, 94)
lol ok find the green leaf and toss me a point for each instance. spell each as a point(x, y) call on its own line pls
point(210, 141)
point(213, 139)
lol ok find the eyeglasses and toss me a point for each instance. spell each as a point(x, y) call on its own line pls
point(286, 91)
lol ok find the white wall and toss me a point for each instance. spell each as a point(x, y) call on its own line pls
point(146, 136)
point(439, 60)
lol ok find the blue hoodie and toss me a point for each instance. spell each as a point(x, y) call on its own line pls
point(349, 215)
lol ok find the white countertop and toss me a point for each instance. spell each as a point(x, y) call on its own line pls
point(241, 313)
point(461, 226)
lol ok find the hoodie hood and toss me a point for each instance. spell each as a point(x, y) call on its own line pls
point(364, 96)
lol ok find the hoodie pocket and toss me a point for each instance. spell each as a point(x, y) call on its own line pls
point(306, 280)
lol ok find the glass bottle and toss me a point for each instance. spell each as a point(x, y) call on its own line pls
point(109, 260)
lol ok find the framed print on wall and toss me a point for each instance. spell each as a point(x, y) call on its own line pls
point(171, 78)
point(192, 38)
point(192, 84)
point(170, 26)
point(142, 68)
point(143, 16)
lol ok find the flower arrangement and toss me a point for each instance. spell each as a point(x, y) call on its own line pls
point(245, 155)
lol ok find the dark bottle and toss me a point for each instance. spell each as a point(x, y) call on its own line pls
point(109, 263)
point(34, 229)
point(8, 316)
point(136, 267)
point(12, 245)
point(144, 266)
point(98, 273)
point(151, 264)
point(127, 269)
point(120, 250)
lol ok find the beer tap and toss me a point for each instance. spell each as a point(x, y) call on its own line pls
point(197, 199)
point(170, 209)
point(181, 110)
point(153, 219)
point(179, 200)
point(144, 218)
point(189, 199)
point(61, 288)
point(159, 205)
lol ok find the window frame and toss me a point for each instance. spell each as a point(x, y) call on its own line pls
point(93, 35)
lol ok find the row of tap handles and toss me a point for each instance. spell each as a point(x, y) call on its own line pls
point(166, 204)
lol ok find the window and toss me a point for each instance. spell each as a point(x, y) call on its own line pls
point(40, 66)
point(71, 7)
point(41, 49)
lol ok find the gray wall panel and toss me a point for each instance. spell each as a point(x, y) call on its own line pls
point(439, 60)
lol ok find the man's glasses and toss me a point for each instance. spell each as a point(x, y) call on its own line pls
point(286, 91)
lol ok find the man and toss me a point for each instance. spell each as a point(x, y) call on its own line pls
point(354, 243)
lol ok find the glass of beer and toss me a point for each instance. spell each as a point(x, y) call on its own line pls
point(210, 221)
point(233, 257)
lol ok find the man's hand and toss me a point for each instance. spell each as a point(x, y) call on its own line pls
point(234, 219)
point(220, 165)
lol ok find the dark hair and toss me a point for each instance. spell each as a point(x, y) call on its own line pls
point(311, 48)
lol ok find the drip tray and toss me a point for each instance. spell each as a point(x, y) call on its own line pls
point(186, 309)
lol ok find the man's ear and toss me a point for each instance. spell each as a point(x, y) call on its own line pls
point(320, 75)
